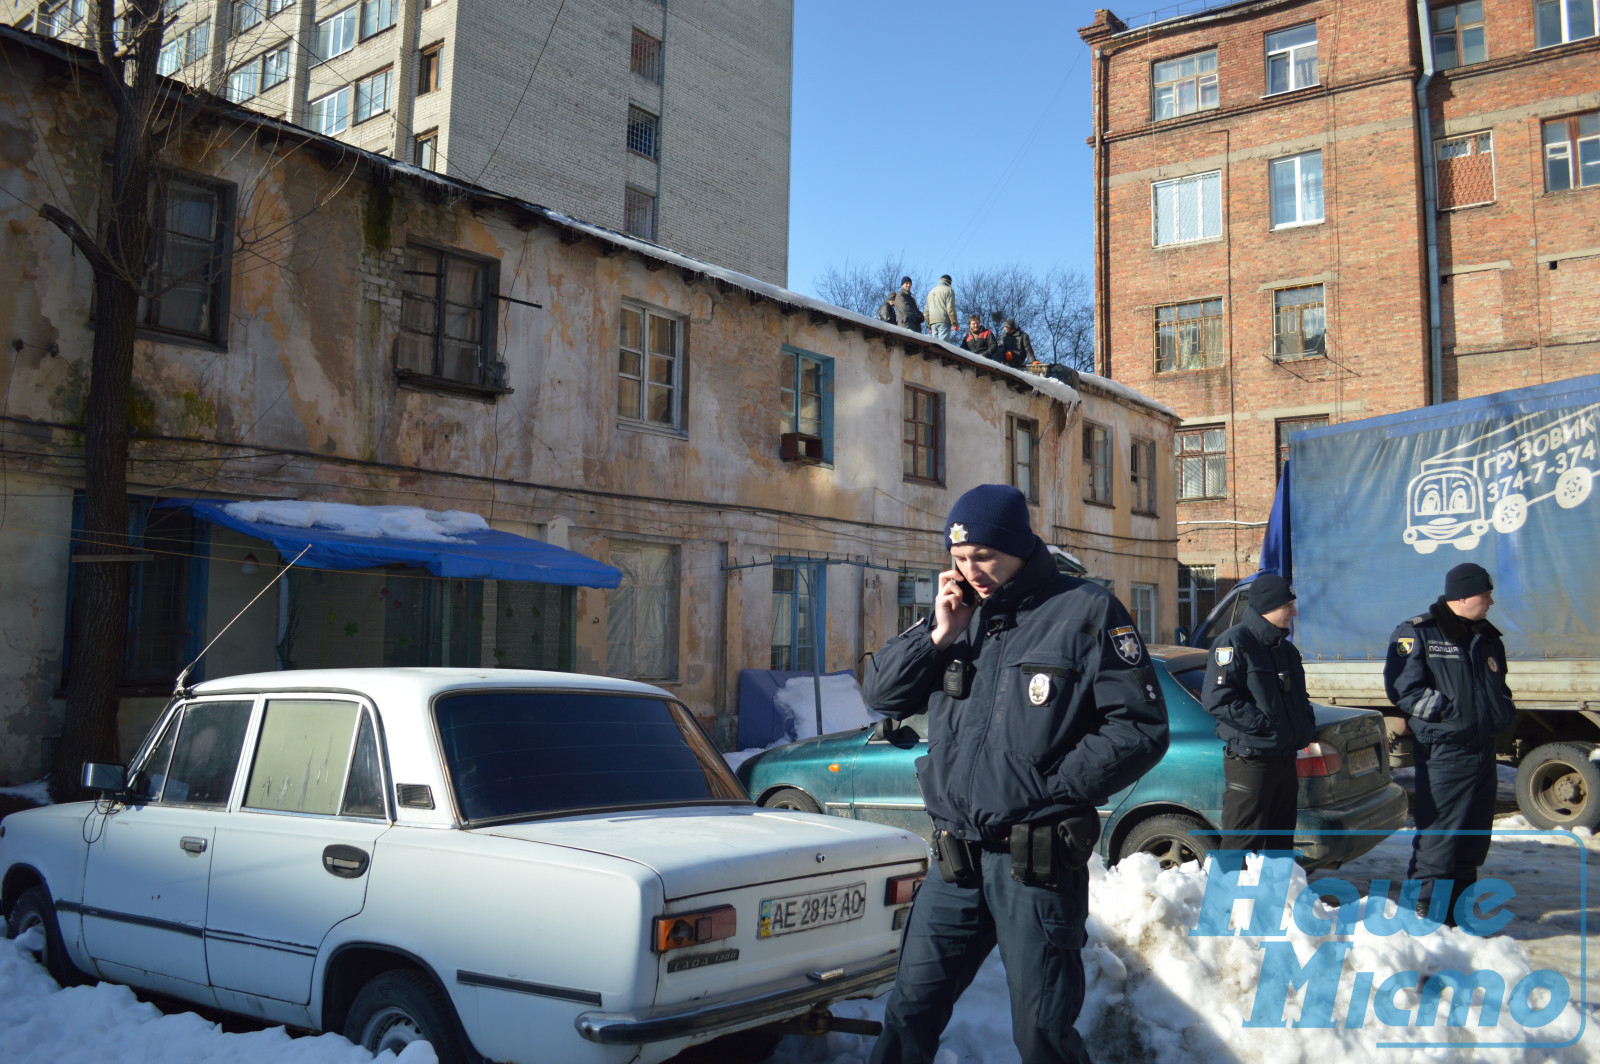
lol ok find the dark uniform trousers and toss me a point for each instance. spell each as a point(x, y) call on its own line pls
point(953, 929)
point(1262, 792)
point(1455, 793)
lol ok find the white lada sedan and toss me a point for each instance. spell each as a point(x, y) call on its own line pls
point(514, 866)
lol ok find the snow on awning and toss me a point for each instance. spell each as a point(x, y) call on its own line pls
point(446, 543)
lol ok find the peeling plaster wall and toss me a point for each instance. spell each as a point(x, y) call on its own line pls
point(305, 403)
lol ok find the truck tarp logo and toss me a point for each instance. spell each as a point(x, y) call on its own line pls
point(1491, 480)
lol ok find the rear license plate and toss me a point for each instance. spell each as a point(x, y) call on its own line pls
point(818, 908)
point(1363, 761)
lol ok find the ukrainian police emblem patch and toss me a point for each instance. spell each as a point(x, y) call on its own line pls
point(1126, 643)
point(1224, 655)
point(1405, 643)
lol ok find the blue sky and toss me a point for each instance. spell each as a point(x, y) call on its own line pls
point(950, 132)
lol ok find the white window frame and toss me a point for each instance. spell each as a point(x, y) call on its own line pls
point(638, 201)
point(1202, 80)
point(1142, 599)
point(247, 14)
point(170, 61)
point(1291, 55)
point(336, 34)
point(1297, 165)
point(366, 100)
point(318, 110)
point(1564, 10)
point(268, 63)
point(379, 10)
point(244, 82)
point(196, 42)
point(1206, 458)
point(1206, 191)
point(1570, 150)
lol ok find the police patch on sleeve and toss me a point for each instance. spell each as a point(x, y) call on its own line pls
point(1405, 644)
point(1224, 655)
point(1125, 641)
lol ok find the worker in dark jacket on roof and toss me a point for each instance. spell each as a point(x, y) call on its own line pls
point(886, 311)
point(906, 311)
point(1256, 688)
point(1446, 670)
point(1041, 703)
point(1015, 348)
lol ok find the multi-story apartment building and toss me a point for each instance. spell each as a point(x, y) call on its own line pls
point(1312, 211)
point(666, 121)
point(766, 475)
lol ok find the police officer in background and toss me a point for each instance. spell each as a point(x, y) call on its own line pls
point(1446, 670)
point(1041, 703)
point(1256, 688)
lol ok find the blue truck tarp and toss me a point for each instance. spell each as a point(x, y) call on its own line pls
point(1387, 505)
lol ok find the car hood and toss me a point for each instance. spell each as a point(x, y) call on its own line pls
point(699, 851)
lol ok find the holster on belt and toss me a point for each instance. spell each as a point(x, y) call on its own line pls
point(1040, 850)
point(957, 859)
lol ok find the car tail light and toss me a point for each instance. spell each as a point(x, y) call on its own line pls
point(901, 889)
point(691, 929)
point(1318, 759)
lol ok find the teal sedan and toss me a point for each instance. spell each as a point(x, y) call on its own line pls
point(1348, 803)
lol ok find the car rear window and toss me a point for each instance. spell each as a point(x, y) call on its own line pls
point(520, 754)
point(1191, 680)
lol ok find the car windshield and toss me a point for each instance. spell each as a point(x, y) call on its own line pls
point(516, 755)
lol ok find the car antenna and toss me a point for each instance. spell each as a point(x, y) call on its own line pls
point(178, 689)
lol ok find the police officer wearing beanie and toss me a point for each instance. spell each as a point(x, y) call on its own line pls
point(1041, 703)
point(1446, 670)
point(1256, 688)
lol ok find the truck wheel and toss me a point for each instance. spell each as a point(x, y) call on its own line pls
point(1559, 787)
point(1425, 546)
point(791, 798)
point(1173, 839)
point(1573, 486)
point(34, 909)
point(401, 1006)
point(1469, 543)
point(1510, 513)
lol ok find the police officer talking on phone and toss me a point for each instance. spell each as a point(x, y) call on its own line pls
point(1041, 703)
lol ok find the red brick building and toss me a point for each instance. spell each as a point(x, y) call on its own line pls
point(1264, 257)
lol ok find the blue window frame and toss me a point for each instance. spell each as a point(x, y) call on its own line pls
point(805, 395)
point(799, 615)
point(166, 596)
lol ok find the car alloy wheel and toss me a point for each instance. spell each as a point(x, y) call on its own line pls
point(1173, 839)
point(399, 1007)
point(791, 798)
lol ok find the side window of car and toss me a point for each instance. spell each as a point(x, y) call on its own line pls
point(301, 756)
point(148, 777)
point(205, 755)
point(363, 792)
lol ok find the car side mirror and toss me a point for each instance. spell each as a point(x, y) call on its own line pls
point(103, 778)
point(883, 730)
point(1181, 636)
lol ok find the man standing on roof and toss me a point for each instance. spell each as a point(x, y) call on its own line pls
point(1041, 703)
point(1256, 688)
point(906, 310)
point(979, 341)
point(941, 305)
point(1446, 670)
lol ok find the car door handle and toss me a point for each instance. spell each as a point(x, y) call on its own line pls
point(346, 862)
point(192, 844)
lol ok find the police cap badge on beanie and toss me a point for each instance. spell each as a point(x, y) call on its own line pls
point(1466, 580)
point(991, 515)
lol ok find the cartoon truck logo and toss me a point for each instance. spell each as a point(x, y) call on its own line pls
point(1491, 480)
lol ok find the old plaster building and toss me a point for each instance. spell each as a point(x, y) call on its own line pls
point(767, 475)
point(669, 121)
point(1312, 211)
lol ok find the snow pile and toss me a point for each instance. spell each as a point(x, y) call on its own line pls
point(375, 522)
point(106, 1024)
point(37, 792)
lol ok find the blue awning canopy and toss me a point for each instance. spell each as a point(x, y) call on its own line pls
point(483, 554)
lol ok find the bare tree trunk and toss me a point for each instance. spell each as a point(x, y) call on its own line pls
point(119, 257)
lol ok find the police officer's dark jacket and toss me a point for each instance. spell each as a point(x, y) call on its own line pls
point(1256, 688)
point(1449, 677)
point(1062, 708)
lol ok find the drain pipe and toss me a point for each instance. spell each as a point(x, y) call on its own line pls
point(1430, 210)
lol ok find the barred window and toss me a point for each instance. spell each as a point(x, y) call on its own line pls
point(1187, 208)
point(646, 56)
point(1202, 463)
point(642, 129)
point(1190, 336)
point(639, 213)
point(1299, 322)
point(1182, 86)
point(1465, 170)
point(1458, 35)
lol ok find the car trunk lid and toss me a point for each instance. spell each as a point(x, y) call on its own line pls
point(1357, 737)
